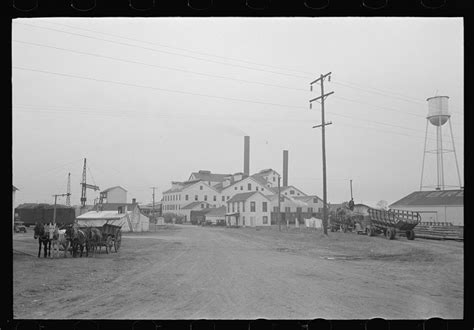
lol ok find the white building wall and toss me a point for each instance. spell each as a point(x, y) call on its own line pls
point(117, 195)
point(248, 218)
point(243, 187)
point(174, 201)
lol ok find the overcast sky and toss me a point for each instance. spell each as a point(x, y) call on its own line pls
point(150, 100)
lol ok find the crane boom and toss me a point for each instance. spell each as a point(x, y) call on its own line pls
point(85, 186)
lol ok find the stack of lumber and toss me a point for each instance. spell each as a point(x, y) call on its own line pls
point(441, 231)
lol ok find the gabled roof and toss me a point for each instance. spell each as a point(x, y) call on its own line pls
point(289, 187)
point(209, 176)
point(183, 185)
point(432, 198)
point(193, 205)
point(102, 215)
point(244, 196)
point(114, 187)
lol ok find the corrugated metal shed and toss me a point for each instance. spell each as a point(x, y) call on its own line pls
point(432, 198)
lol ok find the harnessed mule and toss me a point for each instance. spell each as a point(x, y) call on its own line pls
point(43, 239)
point(59, 240)
point(78, 239)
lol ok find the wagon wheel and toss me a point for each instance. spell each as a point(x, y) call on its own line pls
point(371, 231)
point(109, 243)
point(410, 235)
point(117, 241)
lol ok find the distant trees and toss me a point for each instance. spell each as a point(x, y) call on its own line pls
point(382, 204)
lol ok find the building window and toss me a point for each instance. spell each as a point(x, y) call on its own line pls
point(275, 209)
point(223, 198)
point(238, 206)
point(195, 197)
point(202, 206)
point(243, 206)
point(287, 209)
point(285, 194)
point(200, 187)
point(265, 220)
point(205, 197)
point(298, 194)
point(215, 198)
point(228, 197)
point(315, 200)
point(249, 186)
point(298, 210)
point(310, 210)
point(256, 188)
point(233, 206)
point(252, 206)
point(273, 179)
point(235, 188)
point(264, 207)
point(292, 192)
point(186, 197)
point(241, 188)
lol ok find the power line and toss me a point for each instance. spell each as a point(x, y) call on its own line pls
point(158, 66)
point(163, 51)
point(153, 88)
point(346, 84)
point(96, 112)
point(180, 48)
point(209, 75)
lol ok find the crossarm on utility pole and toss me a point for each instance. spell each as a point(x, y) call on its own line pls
point(329, 123)
point(320, 97)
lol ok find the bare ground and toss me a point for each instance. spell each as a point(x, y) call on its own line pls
point(188, 272)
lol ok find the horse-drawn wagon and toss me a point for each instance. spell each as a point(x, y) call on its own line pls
point(110, 236)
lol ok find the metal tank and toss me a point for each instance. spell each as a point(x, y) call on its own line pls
point(438, 113)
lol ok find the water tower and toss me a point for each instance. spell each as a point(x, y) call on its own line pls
point(438, 115)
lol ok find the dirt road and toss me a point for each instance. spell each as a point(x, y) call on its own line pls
point(190, 272)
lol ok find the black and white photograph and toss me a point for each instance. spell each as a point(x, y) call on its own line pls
point(237, 168)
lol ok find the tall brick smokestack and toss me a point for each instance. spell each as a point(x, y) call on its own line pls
point(247, 155)
point(285, 168)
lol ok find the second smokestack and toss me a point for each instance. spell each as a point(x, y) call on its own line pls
point(247, 155)
point(285, 168)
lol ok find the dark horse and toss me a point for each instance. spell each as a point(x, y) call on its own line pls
point(43, 238)
point(78, 239)
point(94, 238)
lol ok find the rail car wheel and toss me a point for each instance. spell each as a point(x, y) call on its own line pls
point(410, 235)
point(118, 241)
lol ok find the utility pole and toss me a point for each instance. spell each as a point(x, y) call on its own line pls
point(323, 134)
point(55, 200)
point(68, 198)
point(279, 209)
point(153, 205)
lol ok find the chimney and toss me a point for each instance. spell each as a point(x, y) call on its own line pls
point(285, 168)
point(247, 155)
point(134, 201)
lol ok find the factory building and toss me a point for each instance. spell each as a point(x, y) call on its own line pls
point(435, 206)
point(205, 189)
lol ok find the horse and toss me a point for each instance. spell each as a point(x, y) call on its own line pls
point(78, 239)
point(94, 238)
point(43, 237)
point(59, 241)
